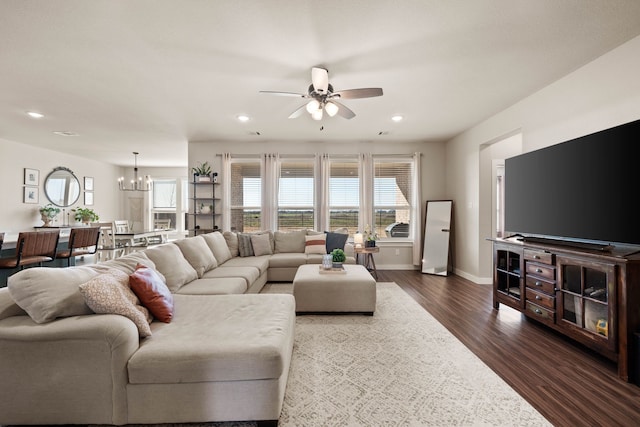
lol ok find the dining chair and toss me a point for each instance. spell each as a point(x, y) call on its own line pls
point(33, 247)
point(122, 226)
point(82, 241)
point(107, 245)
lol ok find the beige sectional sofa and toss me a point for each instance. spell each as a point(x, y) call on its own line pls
point(224, 356)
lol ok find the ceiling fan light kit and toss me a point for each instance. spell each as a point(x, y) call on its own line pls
point(323, 97)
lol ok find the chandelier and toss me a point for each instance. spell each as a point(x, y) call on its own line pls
point(138, 183)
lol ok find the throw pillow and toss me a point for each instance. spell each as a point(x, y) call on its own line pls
point(245, 248)
point(315, 244)
point(48, 293)
point(147, 284)
point(261, 244)
point(197, 252)
point(109, 293)
point(170, 262)
point(335, 241)
point(289, 242)
point(232, 242)
point(218, 246)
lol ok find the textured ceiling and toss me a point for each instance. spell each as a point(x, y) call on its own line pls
point(150, 75)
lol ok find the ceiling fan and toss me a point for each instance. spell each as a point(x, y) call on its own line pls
point(324, 98)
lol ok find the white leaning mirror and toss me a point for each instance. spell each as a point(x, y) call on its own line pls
point(437, 232)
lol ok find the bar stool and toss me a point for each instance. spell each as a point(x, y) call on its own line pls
point(33, 247)
point(82, 241)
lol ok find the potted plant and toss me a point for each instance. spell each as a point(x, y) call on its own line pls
point(205, 209)
point(370, 237)
point(202, 172)
point(85, 215)
point(338, 257)
point(48, 213)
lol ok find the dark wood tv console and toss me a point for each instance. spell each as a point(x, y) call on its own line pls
point(589, 295)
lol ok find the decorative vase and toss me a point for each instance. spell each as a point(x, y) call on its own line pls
point(337, 265)
point(46, 219)
point(205, 209)
point(370, 244)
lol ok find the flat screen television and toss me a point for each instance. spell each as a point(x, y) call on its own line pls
point(582, 190)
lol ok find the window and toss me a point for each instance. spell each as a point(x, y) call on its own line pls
point(296, 195)
point(344, 195)
point(169, 204)
point(392, 196)
point(246, 195)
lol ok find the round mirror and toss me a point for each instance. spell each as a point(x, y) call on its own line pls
point(62, 187)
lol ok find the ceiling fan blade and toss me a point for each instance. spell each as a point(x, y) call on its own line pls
point(320, 79)
point(344, 111)
point(298, 112)
point(273, 92)
point(368, 92)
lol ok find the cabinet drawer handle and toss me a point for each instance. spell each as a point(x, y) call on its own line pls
point(538, 270)
point(538, 297)
point(538, 311)
point(538, 284)
point(536, 257)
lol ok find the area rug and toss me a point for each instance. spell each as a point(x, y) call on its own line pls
point(400, 367)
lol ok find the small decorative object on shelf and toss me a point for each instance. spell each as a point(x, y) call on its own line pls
point(205, 209)
point(338, 257)
point(202, 172)
point(85, 215)
point(370, 237)
point(215, 177)
point(48, 213)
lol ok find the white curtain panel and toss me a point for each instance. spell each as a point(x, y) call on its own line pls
point(270, 178)
point(416, 204)
point(226, 191)
point(322, 191)
point(366, 190)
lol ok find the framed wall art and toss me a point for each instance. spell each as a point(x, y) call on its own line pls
point(31, 176)
point(88, 183)
point(88, 198)
point(30, 195)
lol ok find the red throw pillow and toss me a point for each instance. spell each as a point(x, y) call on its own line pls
point(154, 294)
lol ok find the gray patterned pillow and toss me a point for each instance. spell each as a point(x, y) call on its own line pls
point(244, 245)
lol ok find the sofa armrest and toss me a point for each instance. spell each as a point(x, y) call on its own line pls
point(74, 369)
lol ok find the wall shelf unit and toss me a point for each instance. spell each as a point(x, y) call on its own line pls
point(204, 209)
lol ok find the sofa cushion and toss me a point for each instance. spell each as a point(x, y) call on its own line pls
point(289, 241)
point(335, 241)
point(261, 244)
point(109, 293)
point(8, 306)
point(197, 252)
point(315, 244)
point(287, 260)
point(249, 274)
point(218, 246)
point(259, 262)
point(125, 263)
point(245, 248)
point(215, 286)
point(152, 291)
point(218, 338)
point(232, 242)
point(48, 293)
point(172, 265)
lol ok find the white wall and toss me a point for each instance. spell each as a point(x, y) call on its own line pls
point(16, 216)
point(600, 95)
point(432, 173)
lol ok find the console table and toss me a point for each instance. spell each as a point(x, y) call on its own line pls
point(589, 295)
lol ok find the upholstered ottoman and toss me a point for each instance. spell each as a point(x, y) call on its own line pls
point(353, 291)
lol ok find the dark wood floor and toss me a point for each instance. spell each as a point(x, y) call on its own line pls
point(567, 383)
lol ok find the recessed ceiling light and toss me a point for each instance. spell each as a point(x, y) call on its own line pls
point(35, 114)
point(243, 117)
point(65, 133)
point(397, 118)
